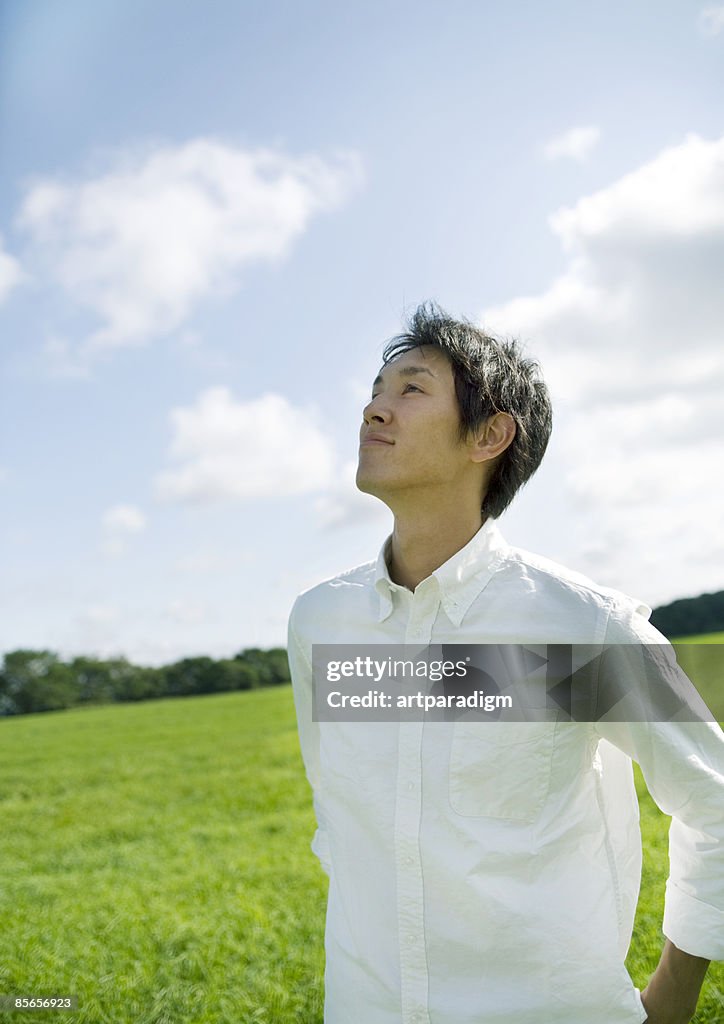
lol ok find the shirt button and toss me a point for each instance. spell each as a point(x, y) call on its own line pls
point(410, 785)
point(409, 860)
point(410, 940)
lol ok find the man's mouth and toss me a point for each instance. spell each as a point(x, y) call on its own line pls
point(373, 439)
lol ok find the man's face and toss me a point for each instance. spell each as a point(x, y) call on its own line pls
point(409, 438)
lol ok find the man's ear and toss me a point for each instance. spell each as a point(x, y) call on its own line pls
point(493, 438)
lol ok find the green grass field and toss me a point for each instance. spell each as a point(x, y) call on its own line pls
point(156, 863)
point(702, 638)
point(702, 658)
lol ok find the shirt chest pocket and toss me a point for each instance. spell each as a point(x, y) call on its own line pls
point(500, 769)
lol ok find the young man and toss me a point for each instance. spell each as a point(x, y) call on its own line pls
point(490, 872)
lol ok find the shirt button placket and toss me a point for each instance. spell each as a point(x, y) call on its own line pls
point(410, 896)
point(410, 907)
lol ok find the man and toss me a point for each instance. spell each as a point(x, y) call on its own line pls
point(490, 872)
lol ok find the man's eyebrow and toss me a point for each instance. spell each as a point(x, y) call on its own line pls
point(407, 371)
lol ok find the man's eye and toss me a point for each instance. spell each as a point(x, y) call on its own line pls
point(411, 387)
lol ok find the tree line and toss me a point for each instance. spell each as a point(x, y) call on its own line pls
point(691, 615)
point(42, 681)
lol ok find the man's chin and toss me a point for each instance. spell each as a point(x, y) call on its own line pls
point(364, 484)
point(368, 485)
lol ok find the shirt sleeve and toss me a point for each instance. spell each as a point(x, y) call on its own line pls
point(682, 762)
point(300, 667)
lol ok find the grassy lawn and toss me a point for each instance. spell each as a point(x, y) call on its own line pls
point(704, 638)
point(702, 658)
point(647, 939)
point(156, 863)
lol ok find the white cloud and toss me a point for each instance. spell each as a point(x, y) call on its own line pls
point(241, 450)
point(122, 519)
point(575, 144)
point(711, 20)
point(630, 337)
point(142, 244)
point(119, 523)
point(678, 195)
point(645, 258)
point(10, 272)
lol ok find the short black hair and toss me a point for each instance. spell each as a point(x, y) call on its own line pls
point(491, 375)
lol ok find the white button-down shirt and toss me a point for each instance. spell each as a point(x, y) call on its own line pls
point(491, 874)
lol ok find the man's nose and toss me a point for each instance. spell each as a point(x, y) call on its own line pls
point(376, 411)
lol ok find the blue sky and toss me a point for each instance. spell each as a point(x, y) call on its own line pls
point(212, 217)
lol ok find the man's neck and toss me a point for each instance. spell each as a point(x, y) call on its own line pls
point(422, 544)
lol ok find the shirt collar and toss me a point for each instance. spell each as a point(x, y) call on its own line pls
point(459, 580)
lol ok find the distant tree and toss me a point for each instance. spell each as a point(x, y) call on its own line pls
point(268, 667)
point(253, 659)
point(93, 679)
point(7, 700)
point(236, 675)
point(192, 675)
point(41, 681)
point(133, 682)
point(36, 681)
point(691, 615)
point(278, 662)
